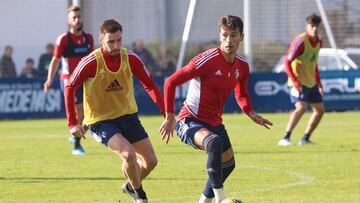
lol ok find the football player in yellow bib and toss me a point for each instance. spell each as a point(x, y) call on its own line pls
point(110, 108)
point(304, 80)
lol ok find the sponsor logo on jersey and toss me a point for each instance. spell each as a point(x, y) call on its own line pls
point(113, 86)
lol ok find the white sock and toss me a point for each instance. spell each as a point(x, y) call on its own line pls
point(219, 195)
point(204, 199)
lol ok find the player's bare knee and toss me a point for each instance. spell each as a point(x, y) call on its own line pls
point(300, 109)
point(319, 111)
point(151, 163)
point(129, 156)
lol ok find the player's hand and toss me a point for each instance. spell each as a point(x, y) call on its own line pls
point(85, 127)
point(167, 127)
point(47, 86)
point(299, 89)
point(77, 131)
point(260, 120)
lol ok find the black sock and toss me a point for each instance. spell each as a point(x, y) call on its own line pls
point(227, 167)
point(77, 142)
point(213, 145)
point(306, 136)
point(140, 193)
point(129, 187)
point(287, 135)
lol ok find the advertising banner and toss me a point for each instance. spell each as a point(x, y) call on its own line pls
point(25, 98)
point(269, 91)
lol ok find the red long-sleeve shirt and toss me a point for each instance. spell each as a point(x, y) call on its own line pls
point(86, 69)
point(296, 48)
point(212, 79)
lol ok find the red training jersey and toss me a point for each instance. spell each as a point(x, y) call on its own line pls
point(212, 79)
point(68, 64)
point(296, 48)
point(86, 69)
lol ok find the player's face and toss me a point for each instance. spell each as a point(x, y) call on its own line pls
point(230, 40)
point(313, 30)
point(111, 42)
point(75, 20)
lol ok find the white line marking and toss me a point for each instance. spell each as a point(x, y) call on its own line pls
point(303, 180)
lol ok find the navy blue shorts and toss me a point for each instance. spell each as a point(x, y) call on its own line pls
point(128, 126)
point(187, 128)
point(309, 95)
point(78, 94)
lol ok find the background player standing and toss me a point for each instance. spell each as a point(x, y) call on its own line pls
point(70, 47)
point(304, 80)
point(213, 75)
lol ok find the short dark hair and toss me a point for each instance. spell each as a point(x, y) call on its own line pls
point(231, 22)
point(73, 8)
point(313, 19)
point(29, 60)
point(49, 45)
point(110, 26)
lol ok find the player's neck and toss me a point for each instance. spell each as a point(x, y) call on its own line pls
point(312, 38)
point(228, 57)
point(75, 32)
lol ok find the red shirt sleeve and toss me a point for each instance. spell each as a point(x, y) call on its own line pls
point(84, 70)
point(179, 77)
point(60, 44)
point(296, 49)
point(241, 92)
point(143, 75)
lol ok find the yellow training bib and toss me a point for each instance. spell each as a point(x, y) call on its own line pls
point(109, 94)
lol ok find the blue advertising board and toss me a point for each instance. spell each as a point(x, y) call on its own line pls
point(24, 98)
point(269, 91)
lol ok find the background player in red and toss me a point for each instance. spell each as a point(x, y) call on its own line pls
point(213, 75)
point(110, 108)
point(304, 80)
point(70, 47)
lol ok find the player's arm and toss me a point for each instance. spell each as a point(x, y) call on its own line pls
point(296, 49)
point(244, 101)
point(61, 42)
point(317, 76)
point(178, 78)
point(318, 81)
point(53, 68)
point(84, 70)
point(141, 73)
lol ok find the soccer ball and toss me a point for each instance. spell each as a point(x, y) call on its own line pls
point(231, 200)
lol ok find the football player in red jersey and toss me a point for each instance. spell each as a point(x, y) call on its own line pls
point(213, 74)
point(70, 47)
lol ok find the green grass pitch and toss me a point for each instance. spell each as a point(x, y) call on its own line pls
point(36, 164)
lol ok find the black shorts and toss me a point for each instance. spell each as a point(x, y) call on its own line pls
point(128, 126)
point(187, 128)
